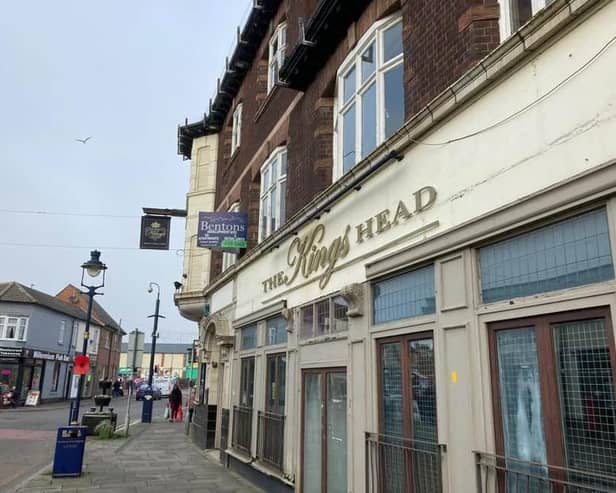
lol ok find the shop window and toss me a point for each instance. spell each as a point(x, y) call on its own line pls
point(276, 331)
point(13, 328)
point(404, 296)
point(515, 13)
point(277, 48)
point(276, 383)
point(229, 258)
point(236, 128)
point(566, 254)
point(55, 376)
point(324, 317)
point(370, 94)
point(247, 382)
point(249, 337)
point(273, 193)
point(562, 359)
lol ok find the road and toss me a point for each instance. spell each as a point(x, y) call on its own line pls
point(27, 435)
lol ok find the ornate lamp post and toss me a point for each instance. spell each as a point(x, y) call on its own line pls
point(90, 270)
point(146, 412)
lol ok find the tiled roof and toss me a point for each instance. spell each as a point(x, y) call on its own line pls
point(98, 312)
point(15, 292)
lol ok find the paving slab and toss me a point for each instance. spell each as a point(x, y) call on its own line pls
point(157, 457)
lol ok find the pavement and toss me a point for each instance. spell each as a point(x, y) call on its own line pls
point(156, 458)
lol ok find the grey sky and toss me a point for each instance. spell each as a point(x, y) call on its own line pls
point(125, 72)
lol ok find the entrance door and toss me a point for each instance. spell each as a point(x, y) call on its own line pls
point(324, 465)
point(409, 457)
point(553, 383)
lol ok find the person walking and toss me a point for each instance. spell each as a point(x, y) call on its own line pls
point(175, 402)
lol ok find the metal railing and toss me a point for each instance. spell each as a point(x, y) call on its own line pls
point(400, 465)
point(270, 439)
point(496, 473)
point(242, 428)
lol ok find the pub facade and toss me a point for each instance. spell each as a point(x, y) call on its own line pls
point(427, 298)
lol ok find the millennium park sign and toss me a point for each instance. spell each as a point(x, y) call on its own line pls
point(310, 257)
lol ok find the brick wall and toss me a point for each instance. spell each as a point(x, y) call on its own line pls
point(442, 39)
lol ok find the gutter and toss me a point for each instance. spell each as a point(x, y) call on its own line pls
point(541, 31)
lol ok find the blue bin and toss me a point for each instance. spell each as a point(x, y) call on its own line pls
point(147, 410)
point(70, 446)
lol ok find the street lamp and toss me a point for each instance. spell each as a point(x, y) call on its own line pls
point(146, 411)
point(89, 270)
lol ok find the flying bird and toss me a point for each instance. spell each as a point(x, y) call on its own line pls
point(83, 141)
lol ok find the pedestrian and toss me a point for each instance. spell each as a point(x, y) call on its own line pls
point(13, 397)
point(117, 385)
point(175, 402)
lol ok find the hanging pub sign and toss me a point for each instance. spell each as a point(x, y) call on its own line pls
point(222, 230)
point(155, 232)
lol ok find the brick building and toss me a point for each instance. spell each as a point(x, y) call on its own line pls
point(107, 359)
point(429, 281)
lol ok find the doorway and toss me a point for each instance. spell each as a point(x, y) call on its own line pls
point(324, 431)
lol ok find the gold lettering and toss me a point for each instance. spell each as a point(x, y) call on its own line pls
point(401, 213)
point(420, 205)
point(382, 221)
point(364, 230)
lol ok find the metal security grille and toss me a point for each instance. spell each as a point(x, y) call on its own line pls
point(570, 253)
point(404, 296)
point(586, 388)
point(423, 390)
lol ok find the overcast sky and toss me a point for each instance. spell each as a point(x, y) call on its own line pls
point(125, 73)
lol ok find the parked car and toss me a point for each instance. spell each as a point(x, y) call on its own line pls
point(143, 389)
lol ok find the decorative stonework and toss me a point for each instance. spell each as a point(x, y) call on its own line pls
point(353, 294)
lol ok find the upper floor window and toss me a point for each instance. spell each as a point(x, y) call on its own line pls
point(61, 332)
point(570, 253)
point(229, 258)
point(515, 13)
point(75, 334)
point(277, 46)
point(13, 328)
point(107, 340)
point(236, 131)
point(370, 94)
point(273, 193)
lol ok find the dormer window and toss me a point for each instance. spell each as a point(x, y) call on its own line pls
point(236, 132)
point(277, 46)
point(370, 94)
point(516, 13)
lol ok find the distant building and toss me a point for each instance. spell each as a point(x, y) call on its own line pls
point(106, 361)
point(38, 334)
point(170, 360)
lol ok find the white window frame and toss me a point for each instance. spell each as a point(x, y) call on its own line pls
point(20, 325)
point(506, 29)
point(229, 258)
point(276, 54)
point(353, 61)
point(61, 332)
point(236, 128)
point(75, 334)
point(273, 163)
